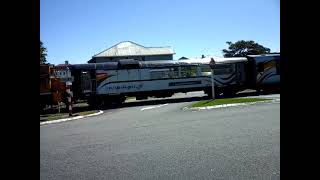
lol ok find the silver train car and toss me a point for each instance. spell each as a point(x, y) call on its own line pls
point(111, 82)
point(263, 72)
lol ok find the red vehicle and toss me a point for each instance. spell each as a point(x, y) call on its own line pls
point(52, 86)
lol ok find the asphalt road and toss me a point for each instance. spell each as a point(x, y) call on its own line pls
point(161, 141)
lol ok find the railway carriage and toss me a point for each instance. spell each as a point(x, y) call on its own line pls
point(263, 72)
point(110, 82)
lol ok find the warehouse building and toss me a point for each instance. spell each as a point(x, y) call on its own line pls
point(131, 50)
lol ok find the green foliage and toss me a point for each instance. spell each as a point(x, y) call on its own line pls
point(242, 48)
point(43, 54)
point(227, 101)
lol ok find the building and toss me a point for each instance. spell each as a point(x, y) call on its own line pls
point(131, 50)
point(182, 58)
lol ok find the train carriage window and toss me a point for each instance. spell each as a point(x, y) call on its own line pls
point(188, 71)
point(278, 67)
point(193, 71)
point(223, 69)
point(260, 67)
point(205, 70)
point(174, 72)
point(160, 73)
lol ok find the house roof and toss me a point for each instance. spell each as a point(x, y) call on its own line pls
point(183, 58)
point(128, 48)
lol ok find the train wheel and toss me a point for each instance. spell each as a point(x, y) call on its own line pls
point(169, 94)
point(94, 102)
point(258, 91)
point(42, 106)
point(119, 100)
point(141, 97)
point(216, 93)
point(209, 92)
point(229, 93)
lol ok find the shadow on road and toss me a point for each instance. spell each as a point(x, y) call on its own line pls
point(180, 100)
point(164, 101)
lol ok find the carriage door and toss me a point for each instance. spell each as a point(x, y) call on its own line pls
point(93, 80)
point(133, 74)
point(130, 69)
point(86, 84)
point(240, 73)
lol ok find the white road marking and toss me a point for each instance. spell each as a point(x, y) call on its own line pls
point(152, 107)
point(70, 119)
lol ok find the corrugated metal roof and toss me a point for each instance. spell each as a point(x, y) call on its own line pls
point(128, 48)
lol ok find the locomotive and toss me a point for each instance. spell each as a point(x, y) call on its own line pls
point(111, 82)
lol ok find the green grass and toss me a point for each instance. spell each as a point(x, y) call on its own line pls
point(50, 117)
point(130, 97)
point(82, 104)
point(227, 101)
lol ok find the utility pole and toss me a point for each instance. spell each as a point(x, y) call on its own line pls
point(212, 64)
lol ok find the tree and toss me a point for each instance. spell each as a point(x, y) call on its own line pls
point(43, 54)
point(242, 48)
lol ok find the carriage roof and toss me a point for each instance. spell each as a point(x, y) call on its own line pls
point(218, 60)
point(92, 66)
point(264, 57)
point(155, 64)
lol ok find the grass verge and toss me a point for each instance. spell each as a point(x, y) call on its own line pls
point(226, 101)
point(130, 97)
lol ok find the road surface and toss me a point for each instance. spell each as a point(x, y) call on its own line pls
point(162, 141)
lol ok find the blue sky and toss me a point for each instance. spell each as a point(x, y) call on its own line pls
point(75, 30)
